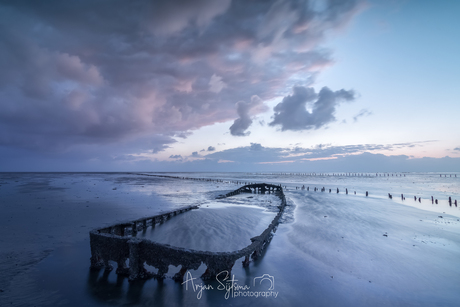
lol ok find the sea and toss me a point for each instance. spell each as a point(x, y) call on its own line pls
point(345, 239)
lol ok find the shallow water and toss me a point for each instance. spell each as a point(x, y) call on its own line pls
point(378, 185)
point(334, 250)
point(214, 227)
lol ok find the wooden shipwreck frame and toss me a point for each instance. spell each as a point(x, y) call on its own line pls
point(119, 242)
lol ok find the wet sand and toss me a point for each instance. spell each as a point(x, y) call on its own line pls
point(49, 215)
point(44, 212)
point(332, 250)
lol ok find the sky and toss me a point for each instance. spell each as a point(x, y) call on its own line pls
point(205, 85)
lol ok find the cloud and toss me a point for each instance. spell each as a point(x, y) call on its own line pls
point(195, 154)
point(256, 147)
point(216, 84)
point(362, 113)
point(93, 72)
point(363, 162)
point(255, 153)
point(241, 124)
point(457, 148)
point(211, 148)
point(182, 134)
point(291, 113)
point(169, 17)
point(368, 162)
point(178, 157)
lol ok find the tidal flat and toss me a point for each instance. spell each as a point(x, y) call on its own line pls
point(331, 249)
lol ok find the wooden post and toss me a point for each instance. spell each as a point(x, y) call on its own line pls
point(180, 275)
point(246, 261)
point(134, 229)
point(135, 264)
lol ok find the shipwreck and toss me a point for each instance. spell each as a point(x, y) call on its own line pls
point(119, 243)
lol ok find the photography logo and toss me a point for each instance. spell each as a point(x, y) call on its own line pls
point(262, 286)
point(267, 277)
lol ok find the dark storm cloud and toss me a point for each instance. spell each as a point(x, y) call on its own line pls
point(243, 122)
point(99, 72)
point(244, 109)
point(155, 143)
point(168, 17)
point(292, 113)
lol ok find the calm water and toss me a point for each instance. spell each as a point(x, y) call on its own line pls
point(331, 250)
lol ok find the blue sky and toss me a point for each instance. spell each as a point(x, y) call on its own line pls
point(230, 86)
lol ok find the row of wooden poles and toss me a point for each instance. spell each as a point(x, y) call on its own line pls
point(433, 200)
point(206, 179)
point(323, 189)
point(349, 174)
